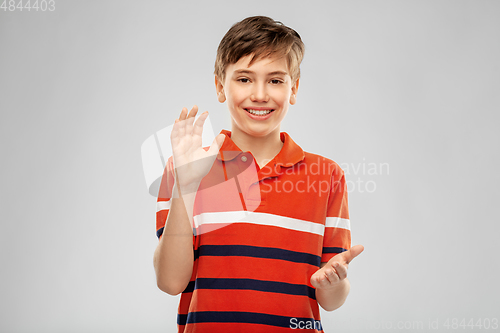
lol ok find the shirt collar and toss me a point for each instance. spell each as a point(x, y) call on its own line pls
point(289, 155)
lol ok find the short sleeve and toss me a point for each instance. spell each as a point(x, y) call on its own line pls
point(337, 236)
point(164, 197)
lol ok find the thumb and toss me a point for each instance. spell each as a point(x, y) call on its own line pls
point(216, 144)
point(352, 253)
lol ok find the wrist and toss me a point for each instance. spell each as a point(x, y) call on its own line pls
point(185, 189)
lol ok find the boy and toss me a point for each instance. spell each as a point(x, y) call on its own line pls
point(270, 221)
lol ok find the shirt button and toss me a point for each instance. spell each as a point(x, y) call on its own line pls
point(243, 158)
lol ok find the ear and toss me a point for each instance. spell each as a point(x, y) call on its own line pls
point(293, 96)
point(220, 90)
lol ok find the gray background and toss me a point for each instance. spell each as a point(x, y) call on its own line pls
point(409, 84)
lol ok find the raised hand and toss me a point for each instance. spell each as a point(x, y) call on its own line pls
point(335, 270)
point(191, 161)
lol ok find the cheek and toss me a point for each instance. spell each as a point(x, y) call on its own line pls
point(283, 96)
point(234, 97)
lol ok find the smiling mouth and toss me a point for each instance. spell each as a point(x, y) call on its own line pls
point(259, 112)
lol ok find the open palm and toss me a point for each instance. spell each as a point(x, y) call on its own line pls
point(191, 161)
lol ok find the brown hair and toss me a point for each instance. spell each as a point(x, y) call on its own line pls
point(261, 36)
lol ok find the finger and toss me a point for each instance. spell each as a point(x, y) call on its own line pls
point(322, 281)
point(341, 270)
point(327, 278)
point(352, 253)
point(216, 145)
point(198, 125)
point(314, 279)
point(183, 114)
point(331, 275)
point(190, 119)
point(181, 124)
point(318, 280)
point(193, 111)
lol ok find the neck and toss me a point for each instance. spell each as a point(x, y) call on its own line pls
point(263, 148)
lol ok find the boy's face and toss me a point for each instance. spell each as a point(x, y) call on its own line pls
point(258, 96)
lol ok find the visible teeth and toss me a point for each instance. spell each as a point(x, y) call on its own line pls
point(259, 113)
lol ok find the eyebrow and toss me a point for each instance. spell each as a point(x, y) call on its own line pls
point(246, 71)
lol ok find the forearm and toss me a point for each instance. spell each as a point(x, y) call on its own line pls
point(173, 258)
point(332, 298)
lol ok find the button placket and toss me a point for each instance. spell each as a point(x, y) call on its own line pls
point(248, 180)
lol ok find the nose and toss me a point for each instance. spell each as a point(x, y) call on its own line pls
point(259, 93)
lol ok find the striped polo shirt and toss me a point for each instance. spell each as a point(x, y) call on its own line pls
point(258, 236)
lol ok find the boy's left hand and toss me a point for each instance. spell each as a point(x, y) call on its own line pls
point(335, 270)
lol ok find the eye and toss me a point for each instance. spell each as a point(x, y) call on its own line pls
point(243, 80)
point(276, 81)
